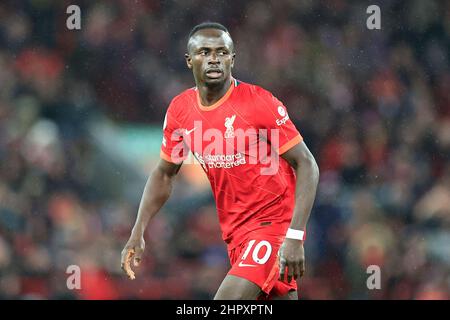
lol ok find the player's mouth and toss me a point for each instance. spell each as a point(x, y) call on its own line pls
point(214, 73)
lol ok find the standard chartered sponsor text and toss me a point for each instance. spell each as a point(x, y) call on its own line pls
point(221, 160)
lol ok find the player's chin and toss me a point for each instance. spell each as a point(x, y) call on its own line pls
point(214, 81)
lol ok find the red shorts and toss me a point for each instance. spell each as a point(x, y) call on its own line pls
point(256, 259)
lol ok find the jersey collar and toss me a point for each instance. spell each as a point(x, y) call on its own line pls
point(220, 101)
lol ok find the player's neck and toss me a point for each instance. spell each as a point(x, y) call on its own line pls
point(211, 94)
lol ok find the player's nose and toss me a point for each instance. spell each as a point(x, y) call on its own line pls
point(213, 58)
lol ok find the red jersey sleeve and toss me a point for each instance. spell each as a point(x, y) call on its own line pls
point(273, 115)
point(173, 149)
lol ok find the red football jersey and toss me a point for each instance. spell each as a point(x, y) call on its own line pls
point(238, 142)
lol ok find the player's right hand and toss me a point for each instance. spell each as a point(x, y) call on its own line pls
point(132, 252)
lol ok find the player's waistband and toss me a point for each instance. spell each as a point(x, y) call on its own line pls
point(269, 227)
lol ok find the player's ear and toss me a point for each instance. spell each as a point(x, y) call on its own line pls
point(233, 55)
point(188, 60)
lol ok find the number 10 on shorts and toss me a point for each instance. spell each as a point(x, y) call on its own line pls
point(256, 252)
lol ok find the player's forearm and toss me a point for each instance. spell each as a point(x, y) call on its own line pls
point(156, 192)
point(307, 173)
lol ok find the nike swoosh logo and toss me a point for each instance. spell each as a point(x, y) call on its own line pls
point(245, 265)
point(188, 132)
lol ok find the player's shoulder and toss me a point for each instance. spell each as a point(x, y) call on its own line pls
point(182, 97)
point(253, 90)
point(181, 100)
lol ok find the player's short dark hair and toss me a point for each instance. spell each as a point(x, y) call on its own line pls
point(207, 25)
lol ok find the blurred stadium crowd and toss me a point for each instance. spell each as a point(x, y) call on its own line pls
point(373, 106)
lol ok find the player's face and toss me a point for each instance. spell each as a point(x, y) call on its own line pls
point(210, 56)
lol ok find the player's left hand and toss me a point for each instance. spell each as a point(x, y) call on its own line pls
point(292, 259)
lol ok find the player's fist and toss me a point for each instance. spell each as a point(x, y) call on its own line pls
point(132, 252)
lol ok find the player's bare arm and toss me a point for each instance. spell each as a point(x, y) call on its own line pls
point(156, 192)
point(292, 255)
